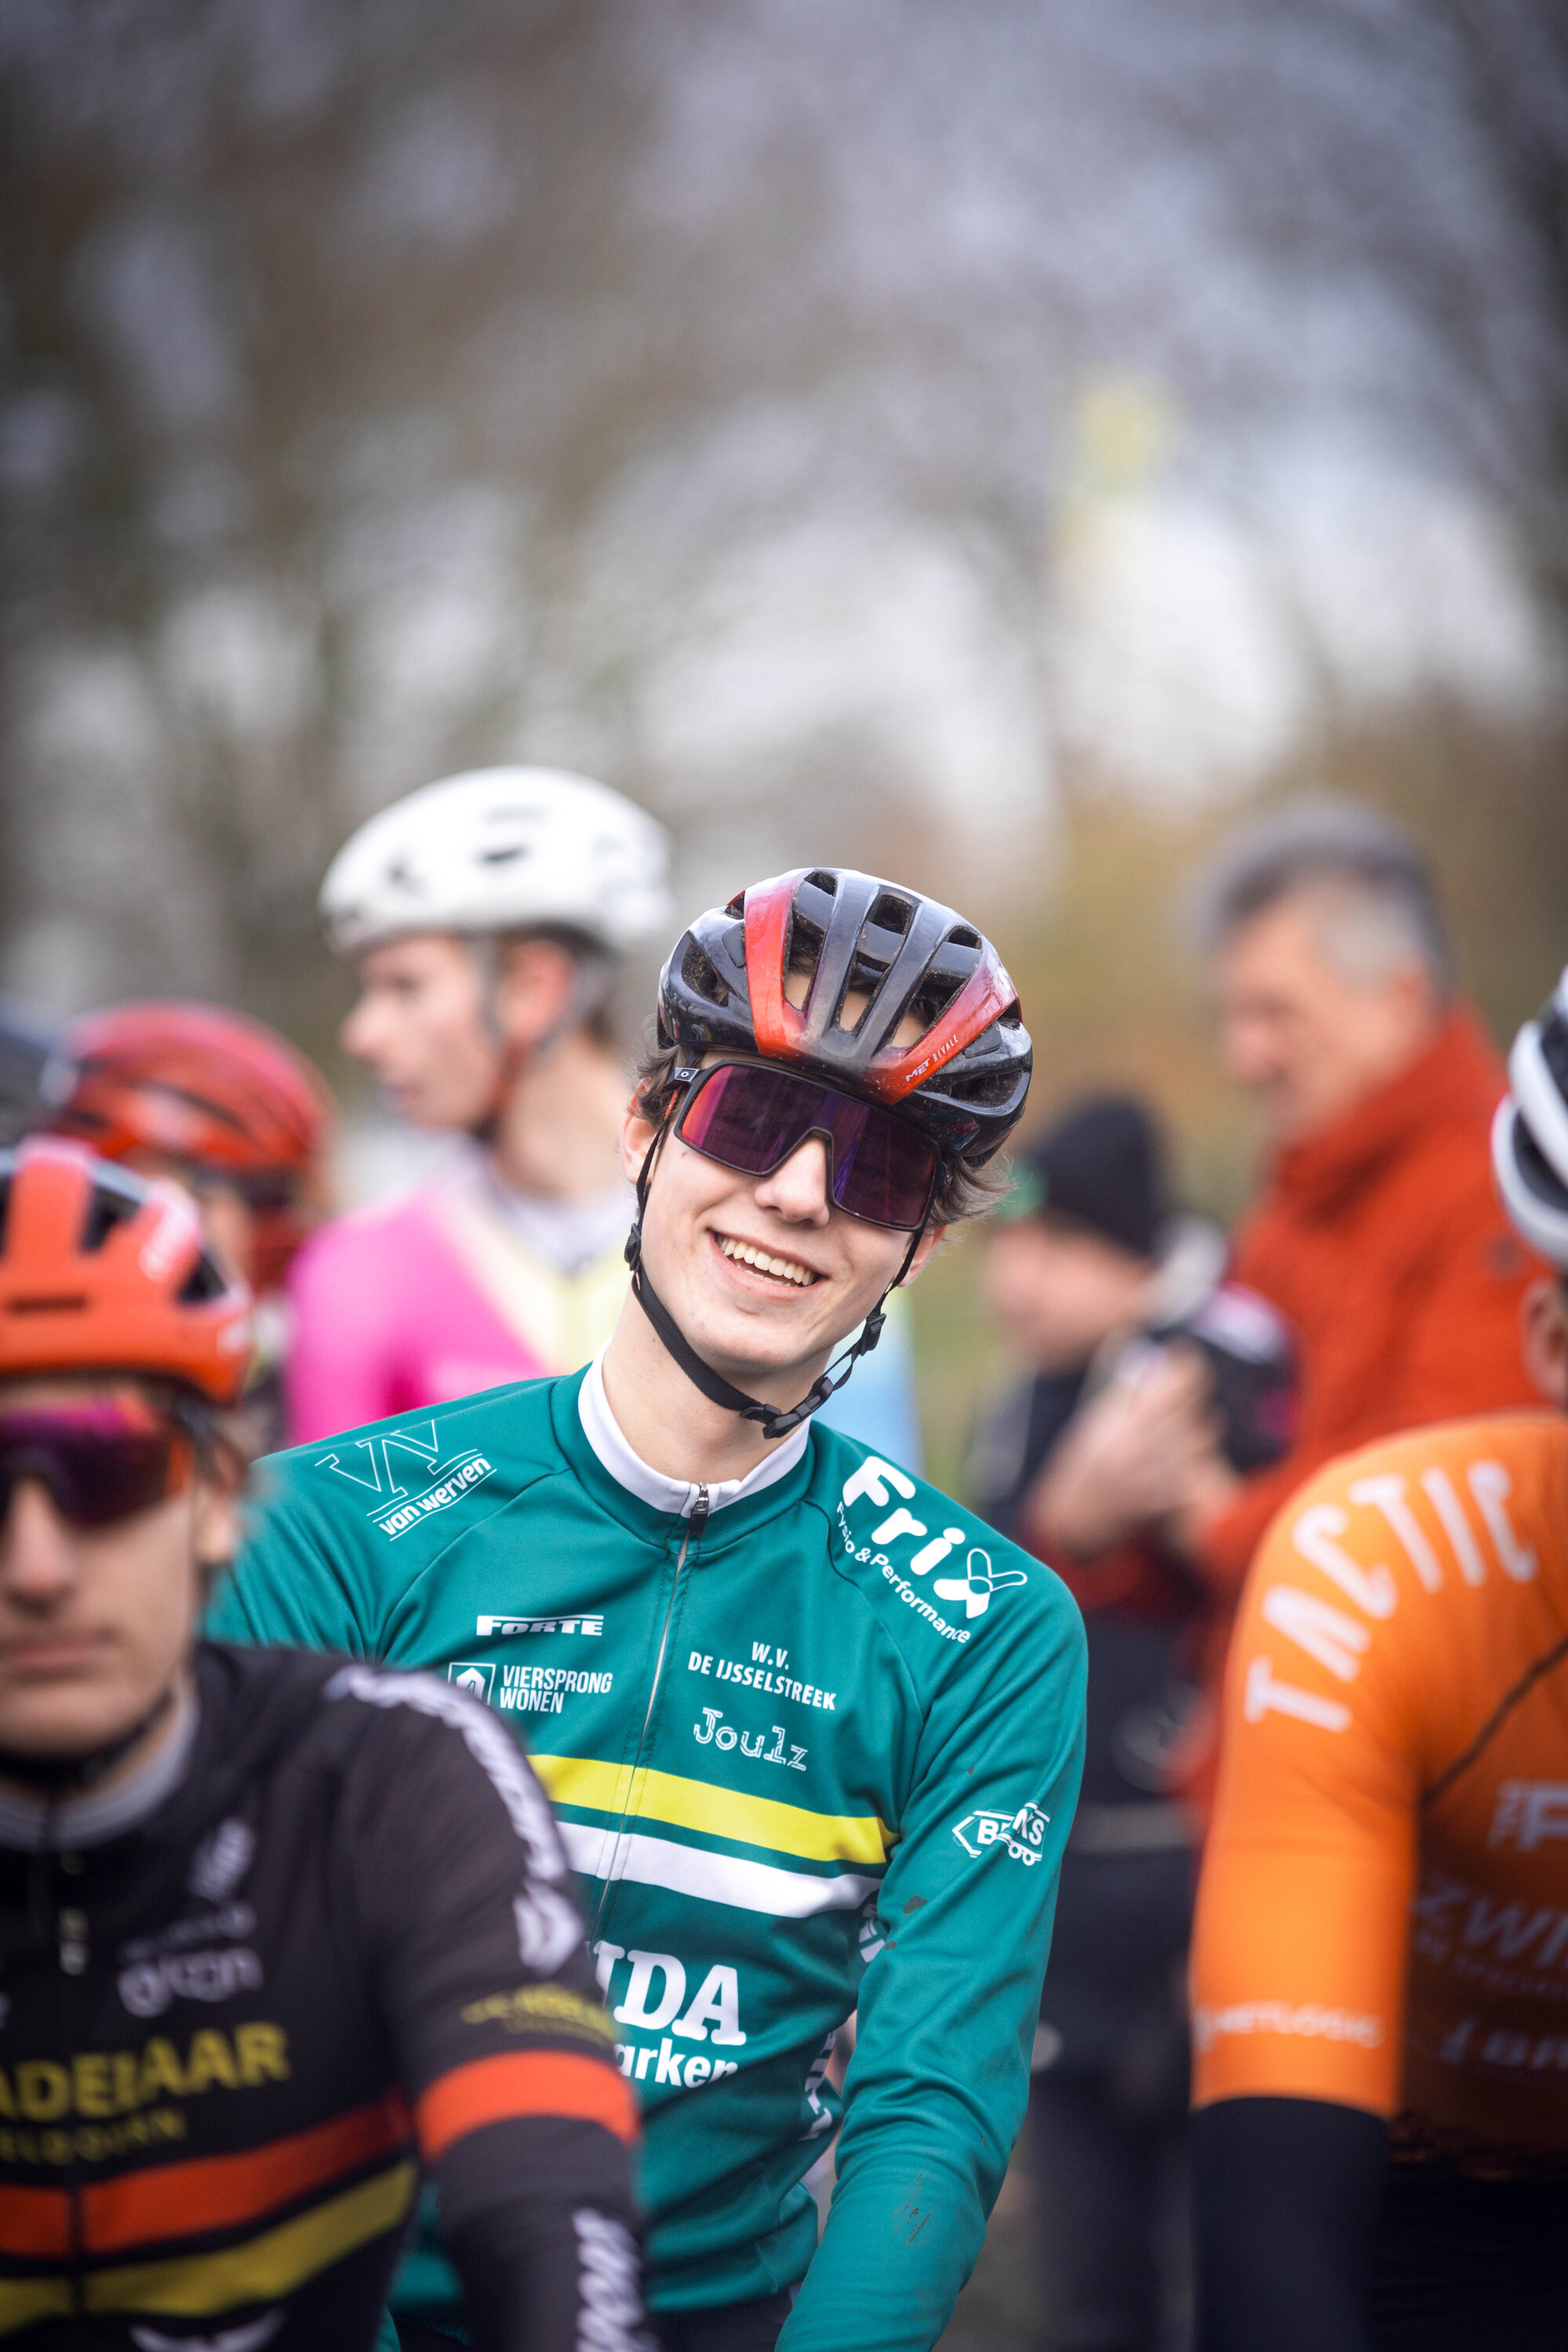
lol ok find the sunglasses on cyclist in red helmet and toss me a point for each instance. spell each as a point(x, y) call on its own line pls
point(98, 1462)
point(752, 1115)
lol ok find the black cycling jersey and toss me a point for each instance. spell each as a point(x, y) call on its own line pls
point(342, 1943)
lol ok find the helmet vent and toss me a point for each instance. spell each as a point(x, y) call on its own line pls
point(105, 1211)
point(203, 1282)
point(824, 881)
point(701, 976)
point(984, 1086)
point(737, 905)
point(963, 939)
point(805, 940)
point(931, 999)
point(507, 855)
point(891, 914)
point(1537, 1170)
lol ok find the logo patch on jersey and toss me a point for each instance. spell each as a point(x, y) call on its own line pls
point(221, 1861)
point(148, 1987)
point(248, 2338)
point(1529, 1813)
point(1021, 1834)
point(474, 1674)
point(879, 1482)
point(489, 1628)
point(381, 1464)
point(975, 1588)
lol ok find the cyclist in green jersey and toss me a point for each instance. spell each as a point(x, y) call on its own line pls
point(813, 1733)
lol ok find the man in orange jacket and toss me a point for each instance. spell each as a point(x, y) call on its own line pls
point(1378, 1233)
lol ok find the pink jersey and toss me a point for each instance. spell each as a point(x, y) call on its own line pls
point(388, 1317)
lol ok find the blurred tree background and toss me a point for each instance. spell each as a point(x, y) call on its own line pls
point(989, 445)
point(995, 445)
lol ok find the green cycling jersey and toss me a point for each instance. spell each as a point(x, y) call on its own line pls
point(814, 1750)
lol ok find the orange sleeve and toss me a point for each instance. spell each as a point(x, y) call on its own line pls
point(1298, 1953)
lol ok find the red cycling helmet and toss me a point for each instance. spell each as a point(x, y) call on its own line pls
point(965, 1076)
point(102, 1270)
point(223, 1095)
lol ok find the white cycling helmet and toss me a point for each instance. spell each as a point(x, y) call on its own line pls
point(502, 849)
point(1530, 1133)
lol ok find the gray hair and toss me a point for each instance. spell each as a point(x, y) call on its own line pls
point(1371, 884)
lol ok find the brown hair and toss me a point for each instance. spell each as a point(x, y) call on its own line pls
point(962, 1192)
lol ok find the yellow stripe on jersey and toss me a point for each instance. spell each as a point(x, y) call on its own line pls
point(23, 2300)
point(274, 2264)
point(604, 1788)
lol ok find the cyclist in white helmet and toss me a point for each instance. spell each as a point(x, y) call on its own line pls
point(487, 915)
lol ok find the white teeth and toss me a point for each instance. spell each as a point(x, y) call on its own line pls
point(784, 1268)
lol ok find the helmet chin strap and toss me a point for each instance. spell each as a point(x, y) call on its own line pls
point(593, 979)
point(72, 1776)
point(772, 1420)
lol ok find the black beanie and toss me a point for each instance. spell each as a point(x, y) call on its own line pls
point(1100, 1165)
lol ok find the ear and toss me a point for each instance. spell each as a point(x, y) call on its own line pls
point(220, 1485)
point(1543, 1320)
point(534, 992)
point(637, 1133)
point(928, 1242)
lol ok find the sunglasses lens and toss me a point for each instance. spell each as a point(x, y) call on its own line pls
point(95, 1474)
point(749, 1119)
point(884, 1172)
point(752, 1119)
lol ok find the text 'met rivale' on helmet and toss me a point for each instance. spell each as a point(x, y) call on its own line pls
point(502, 849)
point(104, 1271)
point(1530, 1132)
point(963, 1080)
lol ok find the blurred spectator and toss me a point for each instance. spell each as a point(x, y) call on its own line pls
point(228, 1108)
point(1084, 1266)
point(26, 1042)
point(1378, 1234)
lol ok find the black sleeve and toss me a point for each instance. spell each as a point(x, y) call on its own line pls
point(501, 2038)
point(1286, 2195)
point(532, 2271)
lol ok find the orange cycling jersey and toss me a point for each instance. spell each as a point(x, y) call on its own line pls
point(1382, 1920)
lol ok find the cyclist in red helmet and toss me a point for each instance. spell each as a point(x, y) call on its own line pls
point(814, 1733)
point(232, 1111)
point(275, 1927)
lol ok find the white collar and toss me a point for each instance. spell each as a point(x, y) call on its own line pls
point(30, 1823)
point(603, 1432)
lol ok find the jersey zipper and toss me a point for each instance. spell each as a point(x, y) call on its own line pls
point(695, 1524)
point(70, 1933)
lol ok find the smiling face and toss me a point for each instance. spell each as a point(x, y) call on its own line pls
point(763, 1274)
point(96, 1623)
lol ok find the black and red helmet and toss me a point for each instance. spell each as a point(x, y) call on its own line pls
point(964, 1072)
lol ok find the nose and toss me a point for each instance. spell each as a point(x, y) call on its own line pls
point(361, 1032)
point(38, 1563)
point(1249, 1047)
point(798, 1188)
